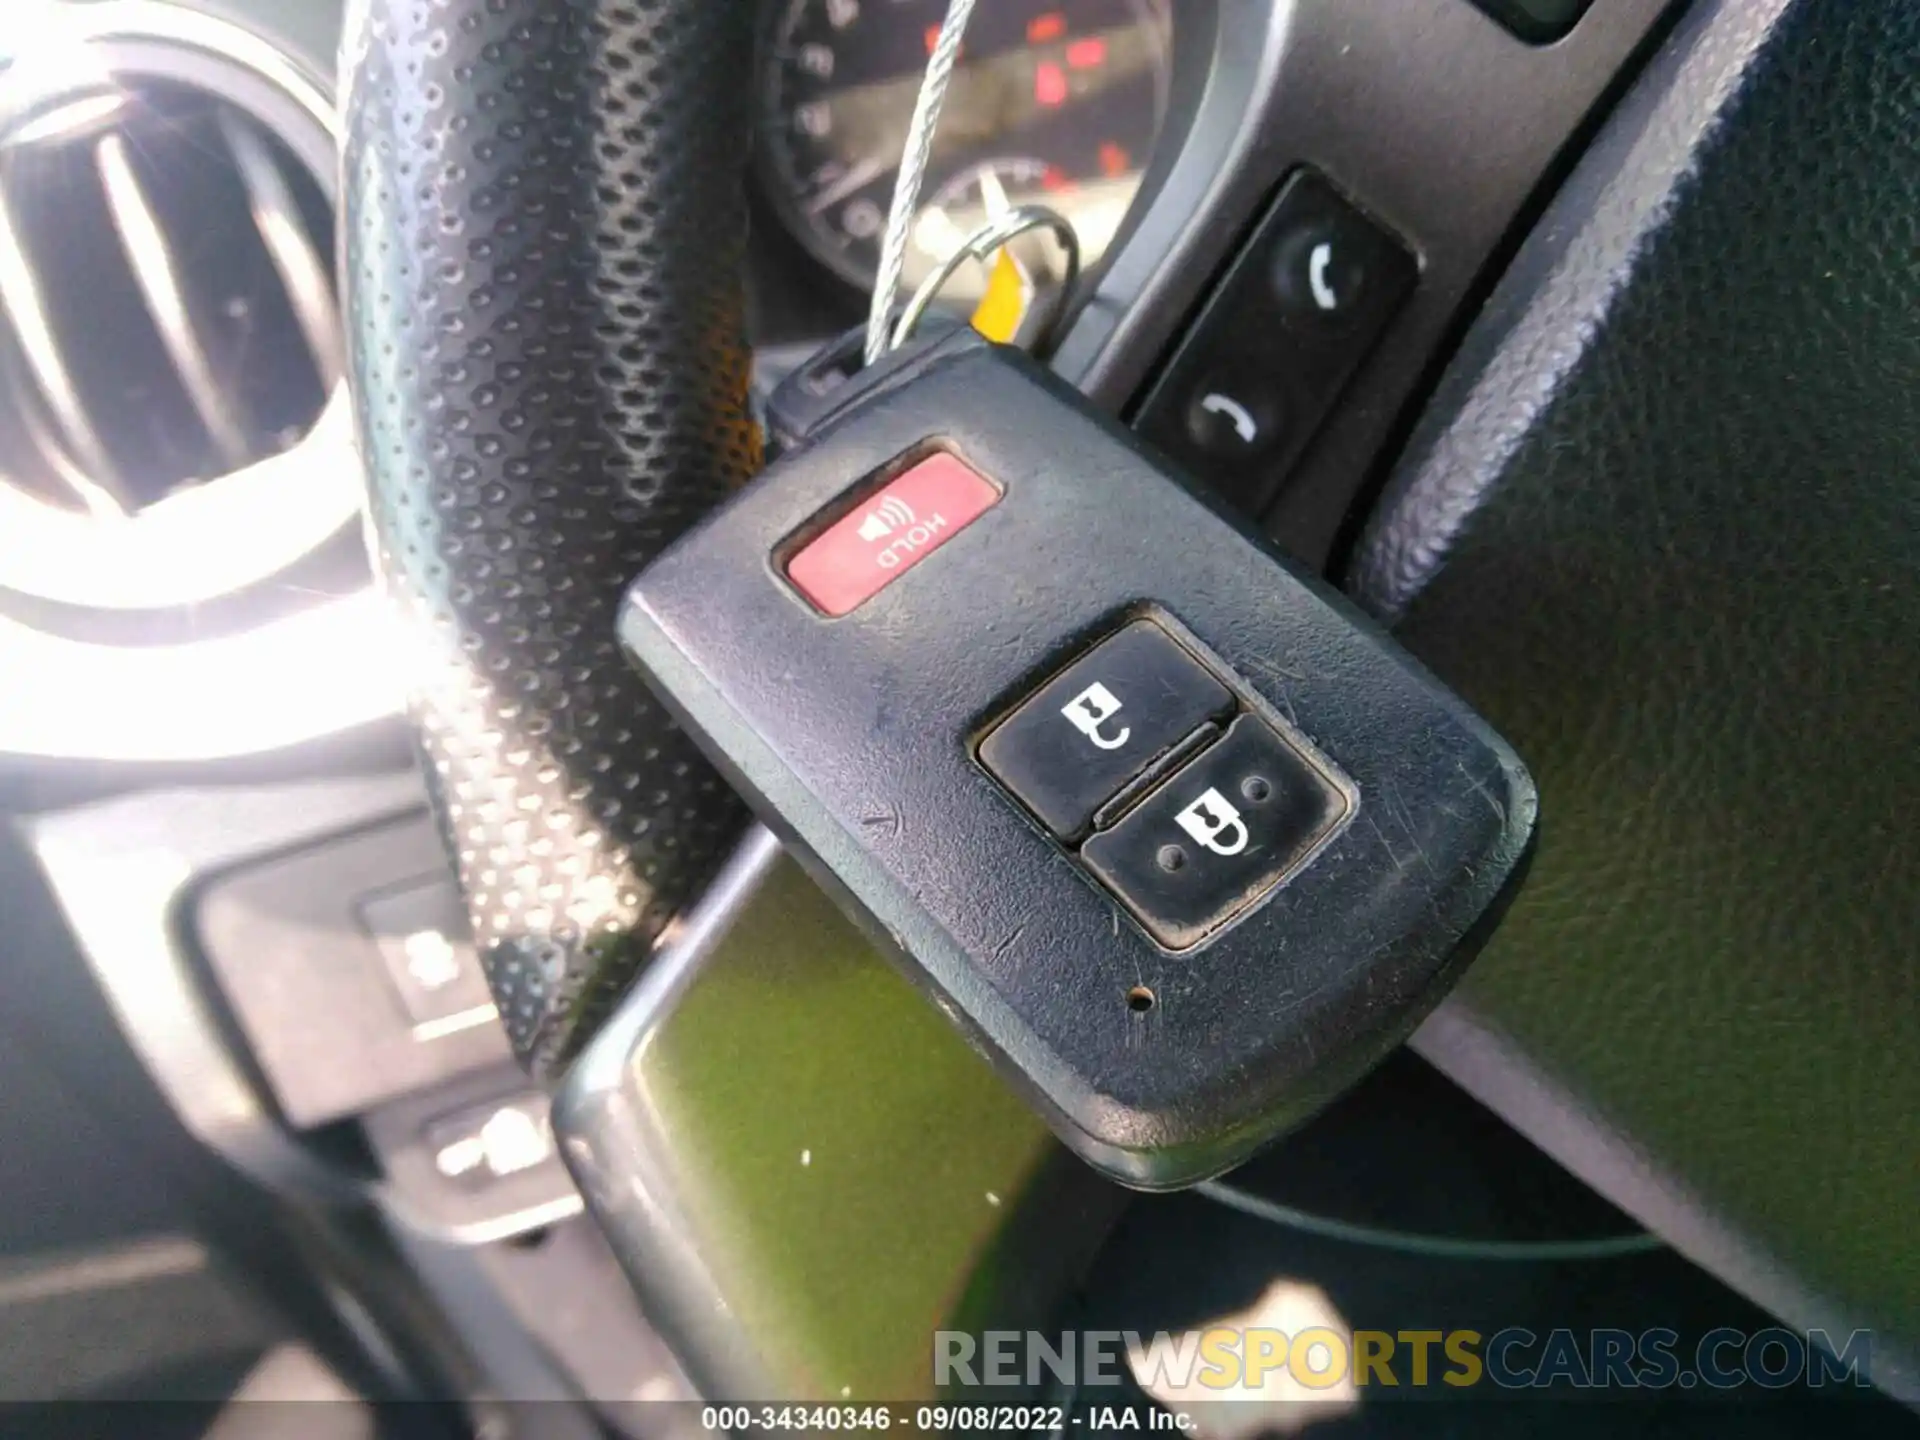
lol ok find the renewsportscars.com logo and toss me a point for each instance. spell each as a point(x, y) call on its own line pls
point(1224, 1360)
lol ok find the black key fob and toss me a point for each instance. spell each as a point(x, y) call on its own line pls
point(1183, 842)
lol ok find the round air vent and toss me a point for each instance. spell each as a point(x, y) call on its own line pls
point(171, 423)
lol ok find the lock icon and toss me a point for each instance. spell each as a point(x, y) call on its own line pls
point(1091, 709)
point(1213, 822)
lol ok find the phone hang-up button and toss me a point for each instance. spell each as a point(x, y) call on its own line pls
point(1232, 419)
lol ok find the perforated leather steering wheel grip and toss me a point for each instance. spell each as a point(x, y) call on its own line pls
point(545, 230)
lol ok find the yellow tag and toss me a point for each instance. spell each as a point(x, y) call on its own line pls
point(1004, 305)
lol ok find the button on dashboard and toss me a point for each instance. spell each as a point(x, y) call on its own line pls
point(1100, 723)
point(421, 933)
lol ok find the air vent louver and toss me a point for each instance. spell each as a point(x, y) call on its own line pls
point(167, 312)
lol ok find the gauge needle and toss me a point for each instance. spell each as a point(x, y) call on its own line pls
point(858, 178)
point(993, 194)
point(936, 234)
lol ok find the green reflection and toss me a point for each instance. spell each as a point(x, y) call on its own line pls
point(857, 1161)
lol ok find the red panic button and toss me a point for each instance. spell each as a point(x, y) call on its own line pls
point(896, 528)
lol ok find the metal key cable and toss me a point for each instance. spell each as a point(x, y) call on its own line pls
point(913, 172)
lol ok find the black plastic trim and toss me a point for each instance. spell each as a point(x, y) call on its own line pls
point(1438, 121)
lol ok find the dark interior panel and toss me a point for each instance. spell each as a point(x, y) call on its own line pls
point(1661, 526)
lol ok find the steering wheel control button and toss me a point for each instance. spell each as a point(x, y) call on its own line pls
point(1232, 421)
point(1300, 307)
point(1326, 260)
point(1218, 835)
point(1320, 271)
point(1099, 723)
point(1180, 841)
point(890, 532)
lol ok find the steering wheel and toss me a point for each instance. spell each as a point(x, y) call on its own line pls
point(1657, 521)
point(544, 281)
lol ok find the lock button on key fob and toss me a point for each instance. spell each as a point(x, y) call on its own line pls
point(1218, 834)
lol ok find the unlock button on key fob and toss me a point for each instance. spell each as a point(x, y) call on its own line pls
point(1096, 725)
point(1218, 834)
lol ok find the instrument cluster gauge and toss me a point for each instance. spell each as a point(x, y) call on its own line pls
point(1054, 102)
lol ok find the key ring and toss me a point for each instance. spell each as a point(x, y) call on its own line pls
point(998, 232)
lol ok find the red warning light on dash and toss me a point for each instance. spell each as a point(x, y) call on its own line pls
point(896, 528)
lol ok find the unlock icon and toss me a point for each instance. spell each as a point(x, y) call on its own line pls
point(1091, 709)
point(1213, 822)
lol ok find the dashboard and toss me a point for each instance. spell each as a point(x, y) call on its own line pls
point(1056, 102)
point(185, 579)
